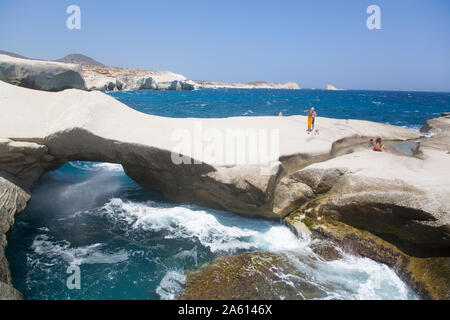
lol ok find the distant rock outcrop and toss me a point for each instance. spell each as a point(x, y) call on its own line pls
point(437, 126)
point(291, 85)
point(250, 85)
point(57, 76)
point(439, 131)
point(40, 75)
point(112, 79)
point(332, 88)
point(99, 77)
point(80, 59)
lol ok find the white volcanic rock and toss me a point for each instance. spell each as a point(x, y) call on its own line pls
point(175, 85)
point(291, 86)
point(403, 199)
point(40, 75)
point(100, 83)
point(112, 78)
point(41, 130)
point(439, 131)
point(78, 125)
point(57, 76)
point(332, 88)
point(437, 126)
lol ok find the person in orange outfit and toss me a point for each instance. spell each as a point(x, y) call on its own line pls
point(311, 117)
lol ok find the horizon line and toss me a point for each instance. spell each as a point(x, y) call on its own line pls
point(20, 56)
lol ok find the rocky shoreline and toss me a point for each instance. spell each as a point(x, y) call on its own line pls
point(390, 207)
point(65, 74)
point(117, 79)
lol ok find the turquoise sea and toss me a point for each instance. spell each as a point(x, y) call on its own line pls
point(132, 243)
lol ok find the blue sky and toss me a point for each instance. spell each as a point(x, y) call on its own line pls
point(310, 42)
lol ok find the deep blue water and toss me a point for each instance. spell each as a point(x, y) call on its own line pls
point(410, 109)
point(128, 242)
point(131, 243)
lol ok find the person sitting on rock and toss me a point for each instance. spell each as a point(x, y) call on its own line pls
point(378, 146)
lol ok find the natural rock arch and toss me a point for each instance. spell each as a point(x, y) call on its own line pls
point(39, 131)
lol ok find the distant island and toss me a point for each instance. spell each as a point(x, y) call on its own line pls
point(249, 85)
point(332, 88)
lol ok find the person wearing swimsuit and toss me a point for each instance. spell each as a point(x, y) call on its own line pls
point(378, 146)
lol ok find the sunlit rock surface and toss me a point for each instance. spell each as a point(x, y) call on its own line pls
point(40, 75)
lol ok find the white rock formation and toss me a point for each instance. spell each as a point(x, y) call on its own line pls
point(41, 130)
point(403, 199)
point(291, 86)
point(111, 78)
point(57, 76)
point(40, 75)
point(332, 88)
point(77, 125)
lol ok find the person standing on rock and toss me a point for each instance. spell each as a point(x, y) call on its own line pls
point(311, 119)
point(314, 115)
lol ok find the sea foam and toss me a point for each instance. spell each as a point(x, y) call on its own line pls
point(218, 231)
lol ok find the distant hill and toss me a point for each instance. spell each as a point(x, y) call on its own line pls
point(80, 59)
point(76, 58)
point(15, 55)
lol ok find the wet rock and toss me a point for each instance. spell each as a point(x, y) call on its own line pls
point(437, 125)
point(13, 200)
point(387, 195)
point(440, 130)
point(7, 292)
point(326, 250)
point(433, 273)
point(297, 188)
point(249, 276)
point(429, 277)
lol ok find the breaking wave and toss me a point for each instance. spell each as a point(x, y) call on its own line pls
point(218, 231)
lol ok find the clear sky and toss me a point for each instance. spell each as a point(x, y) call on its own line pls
point(310, 42)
